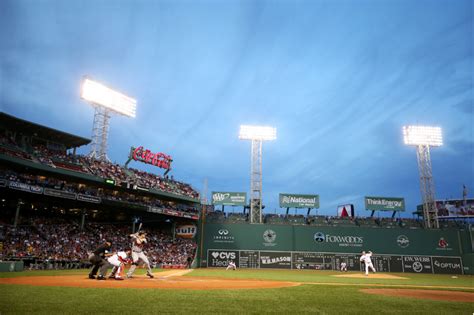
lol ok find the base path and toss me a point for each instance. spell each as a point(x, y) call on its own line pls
point(437, 295)
point(162, 280)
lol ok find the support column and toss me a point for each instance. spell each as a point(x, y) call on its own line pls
point(17, 214)
point(83, 219)
point(430, 211)
point(173, 226)
point(100, 132)
point(256, 182)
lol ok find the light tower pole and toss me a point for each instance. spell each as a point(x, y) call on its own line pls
point(105, 102)
point(256, 134)
point(423, 138)
point(100, 133)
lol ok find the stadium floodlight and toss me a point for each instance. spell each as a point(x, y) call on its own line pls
point(257, 134)
point(424, 137)
point(105, 101)
point(102, 95)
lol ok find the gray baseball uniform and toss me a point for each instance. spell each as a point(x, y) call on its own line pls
point(138, 254)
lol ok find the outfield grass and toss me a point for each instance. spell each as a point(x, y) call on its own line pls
point(330, 277)
point(307, 298)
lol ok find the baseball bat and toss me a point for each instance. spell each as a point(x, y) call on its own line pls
point(139, 227)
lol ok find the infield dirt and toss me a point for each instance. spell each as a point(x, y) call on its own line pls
point(163, 280)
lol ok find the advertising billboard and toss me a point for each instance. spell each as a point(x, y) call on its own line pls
point(384, 203)
point(344, 211)
point(299, 201)
point(229, 198)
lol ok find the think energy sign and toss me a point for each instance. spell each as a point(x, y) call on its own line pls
point(384, 204)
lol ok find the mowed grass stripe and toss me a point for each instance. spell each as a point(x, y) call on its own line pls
point(392, 285)
point(305, 299)
point(330, 277)
point(320, 293)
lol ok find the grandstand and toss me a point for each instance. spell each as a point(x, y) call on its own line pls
point(57, 205)
point(321, 220)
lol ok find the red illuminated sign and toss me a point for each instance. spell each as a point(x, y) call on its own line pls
point(146, 156)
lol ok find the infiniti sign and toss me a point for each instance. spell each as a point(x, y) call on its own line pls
point(223, 236)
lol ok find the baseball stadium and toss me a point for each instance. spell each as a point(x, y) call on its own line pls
point(357, 118)
point(57, 206)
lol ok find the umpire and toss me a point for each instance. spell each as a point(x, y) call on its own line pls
point(97, 259)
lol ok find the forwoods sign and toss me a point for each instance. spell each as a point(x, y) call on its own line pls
point(229, 198)
point(299, 201)
point(385, 204)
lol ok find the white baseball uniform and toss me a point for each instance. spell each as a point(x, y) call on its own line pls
point(117, 259)
point(231, 266)
point(343, 266)
point(365, 258)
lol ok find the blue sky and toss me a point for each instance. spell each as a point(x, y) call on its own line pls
point(338, 79)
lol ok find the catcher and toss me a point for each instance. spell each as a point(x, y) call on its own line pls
point(138, 242)
point(117, 262)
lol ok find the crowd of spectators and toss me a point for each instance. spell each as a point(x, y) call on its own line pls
point(9, 147)
point(321, 220)
point(57, 242)
point(110, 194)
point(59, 158)
point(166, 183)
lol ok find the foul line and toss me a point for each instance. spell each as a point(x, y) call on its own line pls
point(177, 273)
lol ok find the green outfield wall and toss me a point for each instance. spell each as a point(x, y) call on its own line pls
point(302, 247)
point(6, 266)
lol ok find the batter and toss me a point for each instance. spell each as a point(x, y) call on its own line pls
point(138, 242)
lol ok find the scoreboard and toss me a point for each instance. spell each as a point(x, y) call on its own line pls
point(332, 261)
point(325, 261)
point(249, 259)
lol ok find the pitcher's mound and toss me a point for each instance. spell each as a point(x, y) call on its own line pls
point(370, 276)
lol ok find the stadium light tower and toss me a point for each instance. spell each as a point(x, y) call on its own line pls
point(257, 134)
point(423, 138)
point(106, 102)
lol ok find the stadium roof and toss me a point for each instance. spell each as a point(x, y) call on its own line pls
point(43, 132)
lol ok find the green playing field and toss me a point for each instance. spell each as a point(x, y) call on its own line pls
point(318, 292)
